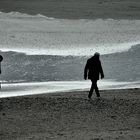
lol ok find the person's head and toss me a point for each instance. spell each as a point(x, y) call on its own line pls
point(97, 55)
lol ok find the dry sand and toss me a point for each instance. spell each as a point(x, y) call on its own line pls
point(71, 116)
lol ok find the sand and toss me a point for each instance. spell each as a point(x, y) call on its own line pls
point(72, 116)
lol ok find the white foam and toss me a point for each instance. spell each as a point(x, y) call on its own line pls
point(17, 15)
point(44, 35)
point(22, 89)
point(81, 51)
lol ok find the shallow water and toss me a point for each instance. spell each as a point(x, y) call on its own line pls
point(20, 89)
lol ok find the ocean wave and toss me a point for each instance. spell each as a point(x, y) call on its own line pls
point(24, 15)
point(20, 15)
point(38, 34)
point(28, 68)
point(16, 14)
point(73, 51)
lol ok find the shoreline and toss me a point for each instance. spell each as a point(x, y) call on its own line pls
point(71, 116)
point(72, 93)
point(38, 88)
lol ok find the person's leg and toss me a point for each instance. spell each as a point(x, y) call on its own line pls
point(96, 88)
point(91, 90)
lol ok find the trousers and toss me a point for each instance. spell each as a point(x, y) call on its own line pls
point(94, 87)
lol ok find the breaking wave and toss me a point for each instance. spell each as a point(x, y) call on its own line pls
point(38, 34)
point(24, 15)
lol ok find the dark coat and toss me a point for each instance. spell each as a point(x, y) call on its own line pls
point(1, 58)
point(93, 69)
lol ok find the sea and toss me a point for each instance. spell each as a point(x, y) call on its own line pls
point(46, 54)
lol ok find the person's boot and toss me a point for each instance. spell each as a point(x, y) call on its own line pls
point(89, 95)
point(98, 94)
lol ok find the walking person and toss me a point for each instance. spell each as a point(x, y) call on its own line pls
point(1, 58)
point(93, 69)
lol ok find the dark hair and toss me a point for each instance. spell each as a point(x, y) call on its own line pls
point(97, 54)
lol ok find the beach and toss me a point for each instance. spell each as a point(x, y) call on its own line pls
point(45, 45)
point(71, 116)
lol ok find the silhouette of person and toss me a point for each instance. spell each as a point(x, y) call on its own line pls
point(93, 69)
point(1, 58)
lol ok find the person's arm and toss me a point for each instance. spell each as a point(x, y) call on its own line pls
point(86, 71)
point(101, 71)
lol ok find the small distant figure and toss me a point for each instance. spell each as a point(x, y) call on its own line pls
point(1, 58)
point(92, 70)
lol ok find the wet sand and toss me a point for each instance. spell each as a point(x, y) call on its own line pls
point(72, 116)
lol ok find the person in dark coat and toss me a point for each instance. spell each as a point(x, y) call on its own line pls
point(1, 58)
point(93, 69)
